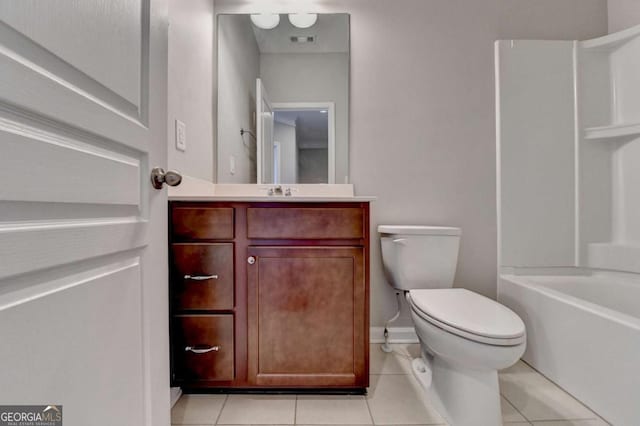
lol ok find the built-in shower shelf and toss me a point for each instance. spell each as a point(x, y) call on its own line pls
point(612, 41)
point(611, 132)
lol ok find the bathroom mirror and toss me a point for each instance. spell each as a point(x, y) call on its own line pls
point(283, 98)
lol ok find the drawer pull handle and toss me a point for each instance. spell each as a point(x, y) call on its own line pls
point(200, 277)
point(196, 350)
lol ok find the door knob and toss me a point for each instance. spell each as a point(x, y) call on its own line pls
point(159, 176)
point(251, 260)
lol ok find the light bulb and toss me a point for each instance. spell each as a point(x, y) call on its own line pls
point(266, 21)
point(303, 20)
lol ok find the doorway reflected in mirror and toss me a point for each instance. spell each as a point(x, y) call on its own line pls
point(304, 143)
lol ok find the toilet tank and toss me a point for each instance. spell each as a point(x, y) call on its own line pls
point(419, 257)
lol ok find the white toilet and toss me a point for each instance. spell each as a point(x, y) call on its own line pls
point(465, 337)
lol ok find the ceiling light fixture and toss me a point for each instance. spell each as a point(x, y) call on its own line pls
point(303, 20)
point(266, 21)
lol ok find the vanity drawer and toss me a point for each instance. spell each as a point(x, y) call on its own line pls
point(305, 223)
point(203, 348)
point(202, 223)
point(202, 277)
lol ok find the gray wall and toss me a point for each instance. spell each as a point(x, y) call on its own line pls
point(312, 165)
point(551, 19)
point(623, 14)
point(238, 69)
point(422, 132)
point(326, 78)
point(190, 91)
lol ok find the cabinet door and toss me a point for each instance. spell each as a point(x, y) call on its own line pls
point(308, 313)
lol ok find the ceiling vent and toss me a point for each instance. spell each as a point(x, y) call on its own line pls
point(303, 39)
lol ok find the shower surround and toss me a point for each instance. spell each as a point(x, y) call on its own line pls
point(568, 158)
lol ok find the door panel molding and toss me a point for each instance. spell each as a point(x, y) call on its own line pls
point(63, 328)
point(59, 243)
point(30, 54)
point(67, 167)
point(38, 81)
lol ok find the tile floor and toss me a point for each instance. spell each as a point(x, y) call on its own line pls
point(394, 398)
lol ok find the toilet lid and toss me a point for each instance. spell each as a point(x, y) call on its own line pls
point(469, 312)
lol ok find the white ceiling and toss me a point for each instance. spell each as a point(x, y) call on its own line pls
point(331, 32)
point(311, 125)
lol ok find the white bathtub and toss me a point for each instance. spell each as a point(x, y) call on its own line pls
point(583, 332)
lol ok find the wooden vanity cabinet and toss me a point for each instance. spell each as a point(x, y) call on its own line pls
point(297, 314)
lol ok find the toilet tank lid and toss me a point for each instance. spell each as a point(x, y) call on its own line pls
point(418, 230)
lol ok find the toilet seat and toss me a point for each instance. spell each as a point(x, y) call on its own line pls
point(469, 315)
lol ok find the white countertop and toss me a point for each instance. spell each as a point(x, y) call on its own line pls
point(193, 189)
point(275, 199)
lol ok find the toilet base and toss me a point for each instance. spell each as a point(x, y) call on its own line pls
point(464, 397)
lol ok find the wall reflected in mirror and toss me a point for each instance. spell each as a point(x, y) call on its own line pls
point(283, 99)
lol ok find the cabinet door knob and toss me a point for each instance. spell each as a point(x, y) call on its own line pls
point(201, 350)
point(251, 260)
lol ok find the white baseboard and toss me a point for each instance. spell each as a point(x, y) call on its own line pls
point(176, 393)
point(396, 335)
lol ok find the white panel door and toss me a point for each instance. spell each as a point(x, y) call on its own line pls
point(264, 144)
point(83, 262)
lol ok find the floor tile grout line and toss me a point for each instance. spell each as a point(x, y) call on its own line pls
point(366, 400)
point(563, 419)
point(515, 408)
point(579, 419)
point(559, 419)
point(295, 411)
point(224, 403)
point(556, 385)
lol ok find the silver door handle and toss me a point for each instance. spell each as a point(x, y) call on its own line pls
point(201, 350)
point(159, 176)
point(402, 241)
point(200, 277)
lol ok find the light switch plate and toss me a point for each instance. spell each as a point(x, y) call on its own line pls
point(181, 136)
